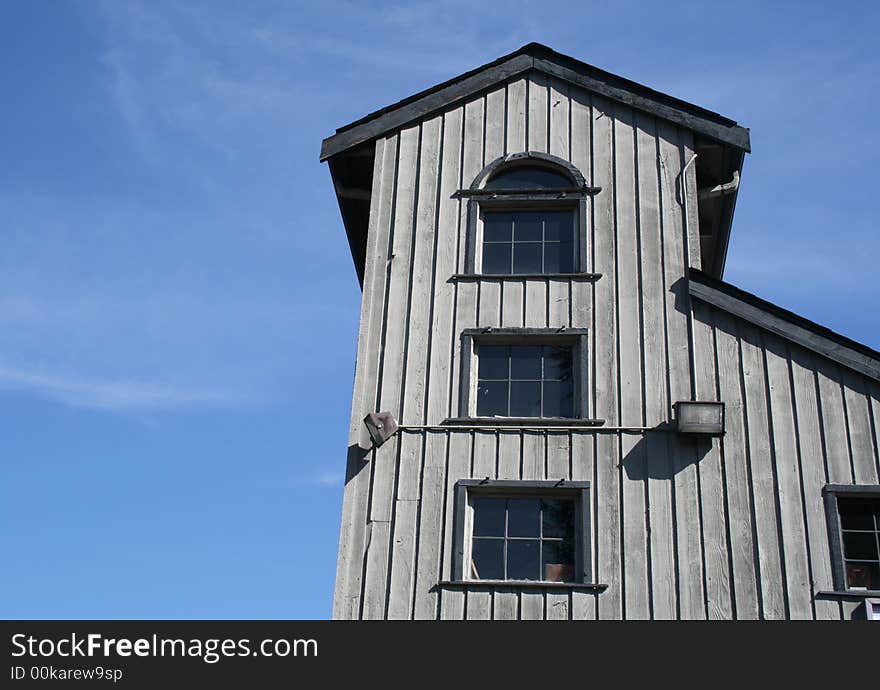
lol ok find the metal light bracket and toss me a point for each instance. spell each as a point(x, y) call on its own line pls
point(381, 426)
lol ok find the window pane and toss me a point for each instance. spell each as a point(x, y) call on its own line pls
point(857, 513)
point(557, 362)
point(527, 227)
point(487, 559)
point(860, 545)
point(492, 399)
point(558, 399)
point(863, 575)
point(528, 176)
point(559, 226)
point(527, 257)
point(523, 559)
point(496, 258)
point(494, 361)
point(525, 398)
point(558, 257)
point(523, 517)
point(489, 516)
point(557, 517)
point(497, 227)
point(525, 362)
point(557, 561)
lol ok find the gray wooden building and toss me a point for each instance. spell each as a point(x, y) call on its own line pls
point(593, 425)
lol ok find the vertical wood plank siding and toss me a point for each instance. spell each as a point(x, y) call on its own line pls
point(729, 527)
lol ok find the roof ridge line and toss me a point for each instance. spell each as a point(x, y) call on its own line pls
point(546, 60)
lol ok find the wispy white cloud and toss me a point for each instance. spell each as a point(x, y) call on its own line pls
point(327, 478)
point(113, 394)
point(121, 306)
point(209, 71)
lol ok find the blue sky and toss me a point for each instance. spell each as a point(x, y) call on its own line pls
point(178, 309)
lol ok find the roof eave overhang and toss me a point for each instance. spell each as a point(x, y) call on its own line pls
point(785, 324)
point(722, 242)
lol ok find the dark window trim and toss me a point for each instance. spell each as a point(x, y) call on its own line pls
point(523, 276)
point(520, 584)
point(527, 336)
point(528, 422)
point(835, 538)
point(505, 487)
point(529, 193)
point(521, 199)
point(525, 203)
point(849, 593)
point(528, 203)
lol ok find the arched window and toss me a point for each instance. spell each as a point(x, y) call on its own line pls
point(527, 218)
point(528, 177)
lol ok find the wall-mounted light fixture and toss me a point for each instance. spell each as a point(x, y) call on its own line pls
point(699, 417)
point(381, 426)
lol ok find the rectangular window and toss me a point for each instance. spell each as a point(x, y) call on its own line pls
point(853, 514)
point(525, 381)
point(529, 242)
point(511, 374)
point(523, 538)
point(523, 531)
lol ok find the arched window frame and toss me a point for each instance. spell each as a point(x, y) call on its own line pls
point(481, 199)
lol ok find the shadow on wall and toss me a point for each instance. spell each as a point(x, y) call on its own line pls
point(357, 460)
point(662, 453)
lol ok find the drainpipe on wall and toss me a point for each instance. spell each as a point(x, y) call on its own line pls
point(690, 315)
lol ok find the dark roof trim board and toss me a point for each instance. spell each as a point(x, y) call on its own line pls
point(535, 56)
point(785, 324)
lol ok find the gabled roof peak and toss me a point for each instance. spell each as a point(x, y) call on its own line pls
point(536, 57)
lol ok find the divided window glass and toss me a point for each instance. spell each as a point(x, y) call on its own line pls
point(535, 242)
point(525, 381)
point(523, 538)
point(860, 533)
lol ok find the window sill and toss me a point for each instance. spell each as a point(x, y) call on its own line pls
point(523, 584)
point(527, 422)
point(850, 593)
point(525, 276)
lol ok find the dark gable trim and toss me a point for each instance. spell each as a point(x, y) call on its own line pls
point(733, 135)
point(785, 324)
point(535, 56)
point(406, 111)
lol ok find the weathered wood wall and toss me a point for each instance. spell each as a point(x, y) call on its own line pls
point(795, 422)
point(680, 528)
